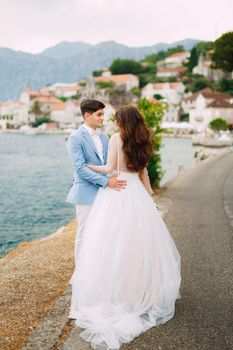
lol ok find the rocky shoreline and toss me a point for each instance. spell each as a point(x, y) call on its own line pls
point(32, 277)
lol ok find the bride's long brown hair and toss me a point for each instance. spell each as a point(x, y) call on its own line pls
point(137, 145)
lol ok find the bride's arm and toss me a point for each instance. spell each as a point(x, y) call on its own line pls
point(143, 174)
point(112, 158)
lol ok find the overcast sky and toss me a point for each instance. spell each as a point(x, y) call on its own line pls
point(33, 25)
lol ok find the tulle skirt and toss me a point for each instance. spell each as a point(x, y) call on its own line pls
point(128, 272)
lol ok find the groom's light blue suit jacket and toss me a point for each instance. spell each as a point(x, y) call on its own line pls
point(82, 150)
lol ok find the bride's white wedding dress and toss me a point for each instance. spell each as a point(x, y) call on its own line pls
point(128, 272)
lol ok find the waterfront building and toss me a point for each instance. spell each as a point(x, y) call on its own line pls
point(66, 114)
point(206, 105)
point(46, 103)
point(201, 115)
point(13, 114)
point(203, 98)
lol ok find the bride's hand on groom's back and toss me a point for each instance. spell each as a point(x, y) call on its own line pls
point(116, 183)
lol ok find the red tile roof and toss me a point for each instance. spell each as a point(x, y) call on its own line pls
point(178, 54)
point(209, 94)
point(175, 69)
point(38, 93)
point(59, 106)
point(220, 104)
point(117, 78)
point(47, 99)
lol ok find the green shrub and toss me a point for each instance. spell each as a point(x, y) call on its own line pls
point(63, 98)
point(153, 114)
point(136, 91)
point(218, 124)
point(104, 84)
point(184, 117)
point(41, 120)
point(158, 96)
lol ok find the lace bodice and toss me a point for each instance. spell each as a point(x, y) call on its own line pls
point(116, 161)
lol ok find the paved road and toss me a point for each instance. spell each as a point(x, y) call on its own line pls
point(200, 220)
point(204, 236)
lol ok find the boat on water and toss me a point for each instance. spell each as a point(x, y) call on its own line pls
point(28, 130)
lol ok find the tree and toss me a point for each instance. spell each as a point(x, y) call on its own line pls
point(200, 83)
point(76, 97)
point(218, 124)
point(155, 57)
point(41, 120)
point(124, 66)
point(153, 114)
point(161, 55)
point(40, 116)
point(96, 73)
point(104, 84)
point(158, 96)
point(178, 48)
point(36, 109)
point(193, 61)
point(149, 67)
point(225, 85)
point(184, 117)
point(136, 91)
point(222, 56)
point(62, 98)
point(203, 47)
point(172, 79)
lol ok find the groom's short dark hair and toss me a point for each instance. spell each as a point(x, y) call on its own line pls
point(91, 106)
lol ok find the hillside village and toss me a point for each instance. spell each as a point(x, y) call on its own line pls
point(57, 106)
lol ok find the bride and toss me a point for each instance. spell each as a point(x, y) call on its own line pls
point(128, 274)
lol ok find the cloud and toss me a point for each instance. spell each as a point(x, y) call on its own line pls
point(35, 24)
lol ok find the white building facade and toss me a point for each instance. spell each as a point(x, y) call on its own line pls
point(66, 114)
point(203, 113)
point(172, 94)
point(13, 114)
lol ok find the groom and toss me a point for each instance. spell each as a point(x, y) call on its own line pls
point(86, 145)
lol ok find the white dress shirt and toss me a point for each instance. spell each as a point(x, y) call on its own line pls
point(97, 141)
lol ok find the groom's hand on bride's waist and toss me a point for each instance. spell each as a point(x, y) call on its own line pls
point(116, 183)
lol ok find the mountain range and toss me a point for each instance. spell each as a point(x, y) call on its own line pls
point(66, 62)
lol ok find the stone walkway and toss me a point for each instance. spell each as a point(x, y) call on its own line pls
point(200, 219)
